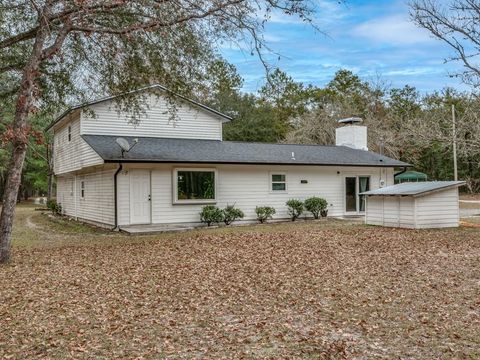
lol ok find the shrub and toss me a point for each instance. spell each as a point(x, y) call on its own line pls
point(264, 213)
point(295, 208)
point(316, 205)
point(55, 207)
point(231, 213)
point(211, 214)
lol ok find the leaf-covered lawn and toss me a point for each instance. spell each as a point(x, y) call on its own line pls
point(314, 290)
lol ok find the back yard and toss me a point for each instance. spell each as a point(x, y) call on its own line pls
point(304, 290)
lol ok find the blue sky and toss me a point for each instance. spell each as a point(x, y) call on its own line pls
point(372, 38)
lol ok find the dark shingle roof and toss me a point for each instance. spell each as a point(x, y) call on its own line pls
point(213, 151)
point(414, 188)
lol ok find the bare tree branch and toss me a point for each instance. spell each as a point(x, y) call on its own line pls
point(455, 23)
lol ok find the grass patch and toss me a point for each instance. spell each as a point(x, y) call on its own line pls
point(62, 224)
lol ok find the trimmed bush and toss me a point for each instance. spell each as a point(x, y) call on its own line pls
point(295, 208)
point(264, 213)
point(55, 207)
point(315, 205)
point(231, 213)
point(211, 214)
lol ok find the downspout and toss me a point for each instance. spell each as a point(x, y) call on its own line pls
point(120, 167)
point(405, 168)
point(75, 196)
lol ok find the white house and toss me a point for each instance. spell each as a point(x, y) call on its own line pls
point(177, 167)
point(417, 205)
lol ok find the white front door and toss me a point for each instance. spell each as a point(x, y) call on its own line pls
point(140, 197)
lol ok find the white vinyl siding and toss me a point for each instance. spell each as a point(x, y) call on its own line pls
point(65, 196)
point(74, 154)
point(98, 203)
point(191, 122)
point(390, 211)
point(432, 210)
point(246, 186)
point(439, 209)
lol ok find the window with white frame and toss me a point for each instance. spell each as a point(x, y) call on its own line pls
point(278, 181)
point(69, 133)
point(195, 185)
point(82, 189)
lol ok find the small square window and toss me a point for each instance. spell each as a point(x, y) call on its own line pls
point(279, 182)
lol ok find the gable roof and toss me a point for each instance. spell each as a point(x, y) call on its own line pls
point(414, 188)
point(167, 150)
point(225, 118)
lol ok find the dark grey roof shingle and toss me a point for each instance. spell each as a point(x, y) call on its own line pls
point(214, 151)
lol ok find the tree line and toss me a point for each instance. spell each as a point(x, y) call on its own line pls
point(402, 122)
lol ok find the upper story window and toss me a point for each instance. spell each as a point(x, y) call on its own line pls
point(69, 133)
point(278, 182)
point(195, 186)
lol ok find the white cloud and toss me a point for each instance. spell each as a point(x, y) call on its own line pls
point(413, 71)
point(396, 30)
point(272, 38)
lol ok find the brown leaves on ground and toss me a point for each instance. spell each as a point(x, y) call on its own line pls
point(316, 290)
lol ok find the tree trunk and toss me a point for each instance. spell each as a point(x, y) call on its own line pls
point(49, 148)
point(50, 185)
point(26, 96)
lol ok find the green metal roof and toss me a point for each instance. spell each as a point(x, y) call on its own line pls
point(411, 175)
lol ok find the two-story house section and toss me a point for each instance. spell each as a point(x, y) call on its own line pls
point(173, 168)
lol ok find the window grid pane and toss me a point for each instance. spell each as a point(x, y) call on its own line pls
point(279, 182)
point(279, 187)
point(278, 177)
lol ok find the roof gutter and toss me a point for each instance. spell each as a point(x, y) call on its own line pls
point(120, 167)
point(149, 161)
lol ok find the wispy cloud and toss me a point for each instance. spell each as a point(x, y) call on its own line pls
point(369, 37)
point(395, 30)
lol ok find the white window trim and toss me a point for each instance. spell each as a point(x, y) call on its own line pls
point(357, 190)
point(69, 133)
point(82, 189)
point(270, 182)
point(176, 201)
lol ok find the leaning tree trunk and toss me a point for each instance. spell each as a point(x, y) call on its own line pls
point(26, 96)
